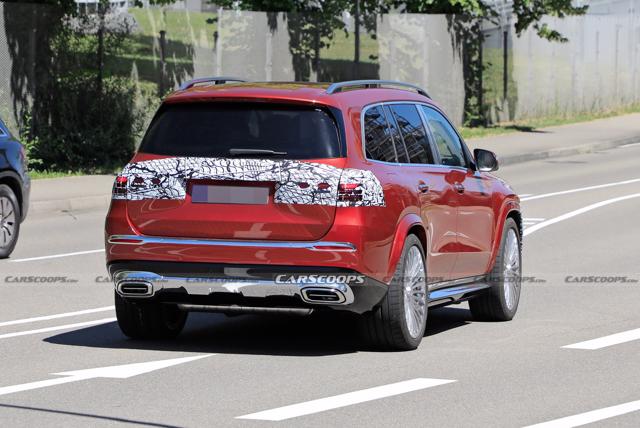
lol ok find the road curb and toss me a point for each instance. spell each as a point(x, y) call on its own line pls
point(69, 205)
point(567, 151)
point(102, 202)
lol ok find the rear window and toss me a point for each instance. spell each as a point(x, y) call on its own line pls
point(213, 129)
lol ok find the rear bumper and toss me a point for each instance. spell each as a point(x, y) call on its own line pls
point(246, 288)
point(26, 194)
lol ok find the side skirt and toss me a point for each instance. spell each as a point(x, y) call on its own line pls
point(456, 291)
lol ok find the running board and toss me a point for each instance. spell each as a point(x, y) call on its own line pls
point(455, 293)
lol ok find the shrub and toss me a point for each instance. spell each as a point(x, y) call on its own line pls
point(86, 130)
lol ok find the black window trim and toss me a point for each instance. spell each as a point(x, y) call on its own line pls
point(436, 154)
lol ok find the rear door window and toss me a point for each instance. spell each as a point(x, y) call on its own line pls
point(413, 133)
point(215, 129)
point(378, 143)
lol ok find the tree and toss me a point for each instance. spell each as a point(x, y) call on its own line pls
point(528, 13)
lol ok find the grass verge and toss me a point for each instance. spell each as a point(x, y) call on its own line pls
point(40, 175)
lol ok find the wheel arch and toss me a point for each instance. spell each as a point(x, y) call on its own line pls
point(511, 209)
point(516, 215)
point(411, 224)
point(14, 184)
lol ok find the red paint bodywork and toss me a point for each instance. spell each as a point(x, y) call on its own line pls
point(461, 232)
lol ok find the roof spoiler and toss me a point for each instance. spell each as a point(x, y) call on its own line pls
point(219, 80)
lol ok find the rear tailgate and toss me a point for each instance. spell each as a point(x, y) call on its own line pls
point(233, 198)
point(197, 176)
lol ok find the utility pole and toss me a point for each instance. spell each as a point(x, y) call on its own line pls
point(356, 56)
point(163, 62)
point(103, 5)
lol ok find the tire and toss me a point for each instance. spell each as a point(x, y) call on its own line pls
point(500, 302)
point(388, 326)
point(9, 221)
point(149, 320)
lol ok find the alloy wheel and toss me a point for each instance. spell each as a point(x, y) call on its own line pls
point(415, 292)
point(512, 272)
point(7, 222)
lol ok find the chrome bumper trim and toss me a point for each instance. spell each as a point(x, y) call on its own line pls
point(313, 246)
point(246, 288)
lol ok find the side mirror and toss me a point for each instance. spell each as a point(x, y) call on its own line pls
point(486, 161)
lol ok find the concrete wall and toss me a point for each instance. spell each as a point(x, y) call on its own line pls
point(412, 48)
point(597, 69)
point(420, 49)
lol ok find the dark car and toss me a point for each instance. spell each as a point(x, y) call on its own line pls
point(14, 190)
point(296, 197)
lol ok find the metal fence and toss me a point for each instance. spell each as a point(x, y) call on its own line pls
point(524, 77)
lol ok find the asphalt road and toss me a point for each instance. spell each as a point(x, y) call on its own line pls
point(465, 373)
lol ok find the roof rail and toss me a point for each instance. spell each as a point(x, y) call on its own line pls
point(220, 80)
point(338, 87)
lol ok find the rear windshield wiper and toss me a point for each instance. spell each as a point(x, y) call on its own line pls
point(255, 152)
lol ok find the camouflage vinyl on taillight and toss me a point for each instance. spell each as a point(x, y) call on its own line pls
point(119, 188)
point(349, 192)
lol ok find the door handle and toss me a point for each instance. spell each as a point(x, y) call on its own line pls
point(459, 187)
point(423, 187)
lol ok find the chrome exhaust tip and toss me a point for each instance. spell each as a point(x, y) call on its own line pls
point(327, 296)
point(134, 289)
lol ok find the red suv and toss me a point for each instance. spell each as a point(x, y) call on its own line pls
point(296, 197)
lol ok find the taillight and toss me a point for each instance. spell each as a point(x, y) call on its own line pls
point(120, 188)
point(23, 156)
point(349, 192)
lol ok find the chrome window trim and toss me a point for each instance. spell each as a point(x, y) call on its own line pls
point(308, 245)
point(2, 132)
point(428, 129)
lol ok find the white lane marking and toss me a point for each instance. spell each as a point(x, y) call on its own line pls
point(57, 256)
point(583, 210)
point(58, 327)
point(343, 400)
point(581, 189)
point(531, 221)
point(603, 342)
point(524, 195)
point(114, 372)
point(56, 316)
point(590, 417)
point(630, 145)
